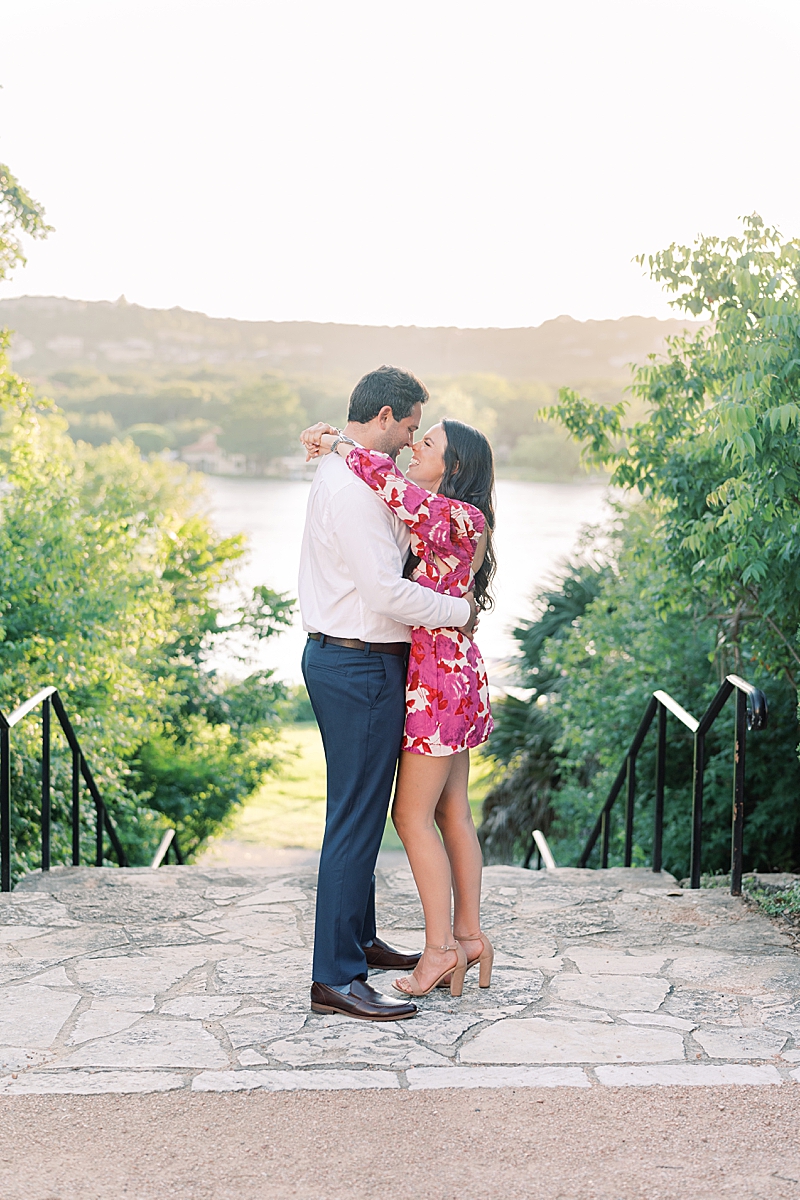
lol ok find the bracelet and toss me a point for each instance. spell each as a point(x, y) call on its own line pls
point(339, 439)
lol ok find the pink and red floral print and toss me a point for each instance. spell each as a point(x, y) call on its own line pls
point(447, 692)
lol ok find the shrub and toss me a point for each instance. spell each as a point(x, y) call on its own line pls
point(110, 590)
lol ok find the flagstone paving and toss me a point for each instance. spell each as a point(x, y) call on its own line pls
point(197, 978)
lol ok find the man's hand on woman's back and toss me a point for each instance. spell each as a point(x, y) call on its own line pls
point(474, 615)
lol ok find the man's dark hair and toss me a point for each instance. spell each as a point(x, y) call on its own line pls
point(388, 385)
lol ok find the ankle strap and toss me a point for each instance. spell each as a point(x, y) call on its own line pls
point(430, 946)
point(469, 937)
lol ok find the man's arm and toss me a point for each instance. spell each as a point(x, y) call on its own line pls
point(363, 535)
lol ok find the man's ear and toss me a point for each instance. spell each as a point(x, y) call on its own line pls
point(386, 416)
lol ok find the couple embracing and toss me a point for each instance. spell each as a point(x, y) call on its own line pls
point(394, 572)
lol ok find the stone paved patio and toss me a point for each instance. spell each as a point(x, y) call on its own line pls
point(197, 978)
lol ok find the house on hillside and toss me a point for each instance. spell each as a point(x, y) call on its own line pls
point(292, 466)
point(206, 455)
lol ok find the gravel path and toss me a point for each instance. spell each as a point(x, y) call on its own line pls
point(602, 1144)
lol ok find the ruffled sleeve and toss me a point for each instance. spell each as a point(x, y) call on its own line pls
point(450, 528)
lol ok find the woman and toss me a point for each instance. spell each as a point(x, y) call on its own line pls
point(446, 500)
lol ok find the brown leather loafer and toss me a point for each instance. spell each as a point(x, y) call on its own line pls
point(383, 957)
point(363, 1002)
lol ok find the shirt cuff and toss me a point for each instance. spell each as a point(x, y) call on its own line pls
point(463, 613)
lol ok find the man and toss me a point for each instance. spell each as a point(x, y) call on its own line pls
point(357, 609)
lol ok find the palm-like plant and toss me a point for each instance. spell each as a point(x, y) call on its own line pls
point(523, 738)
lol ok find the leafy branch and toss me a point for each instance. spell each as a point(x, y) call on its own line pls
point(19, 213)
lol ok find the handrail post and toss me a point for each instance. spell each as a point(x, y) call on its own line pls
point(99, 835)
point(46, 784)
point(697, 806)
point(605, 829)
point(737, 834)
point(5, 811)
point(658, 821)
point(629, 801)
point(76, 808)
point(103, 817)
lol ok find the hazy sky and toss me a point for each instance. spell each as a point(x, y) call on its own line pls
point(432, 162)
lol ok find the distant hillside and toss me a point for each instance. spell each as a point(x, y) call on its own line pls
point(52, 333)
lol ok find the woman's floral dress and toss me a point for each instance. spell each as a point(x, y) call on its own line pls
point(447, 692)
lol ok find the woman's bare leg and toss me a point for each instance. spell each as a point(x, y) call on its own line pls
point(454, 818)
point(421, 779)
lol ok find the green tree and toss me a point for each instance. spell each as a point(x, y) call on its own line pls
point(110, 590)
point(19, 214)
point(525, 733)
point(591, 658)
point(262, 420)
point(719, 452)
point(616, 653)
point(706, 577)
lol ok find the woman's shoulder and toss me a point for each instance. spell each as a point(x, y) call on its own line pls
point(471, 515)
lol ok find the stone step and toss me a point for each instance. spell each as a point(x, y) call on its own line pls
point(197, 978)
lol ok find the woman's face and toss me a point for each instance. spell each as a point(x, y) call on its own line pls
point(427, 459)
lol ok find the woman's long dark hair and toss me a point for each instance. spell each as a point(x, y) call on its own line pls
point(469, 476)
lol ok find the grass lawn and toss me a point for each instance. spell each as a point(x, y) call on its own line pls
point(289, 810)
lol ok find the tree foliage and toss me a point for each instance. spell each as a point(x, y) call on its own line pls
point(261, 414)
point(704, 577)
point(262, 420)
point(719, 452)
point(19, 214)
point(525, 734)
point(592, 657)
point(110, 590)
point(616, 654)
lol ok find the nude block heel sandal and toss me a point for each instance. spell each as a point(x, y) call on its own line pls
point(457, 980)
point(485, 961)
point(452, 975)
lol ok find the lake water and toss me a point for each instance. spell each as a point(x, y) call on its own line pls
point(537, 526)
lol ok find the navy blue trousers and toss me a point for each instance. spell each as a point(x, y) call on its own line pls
point(359, 702)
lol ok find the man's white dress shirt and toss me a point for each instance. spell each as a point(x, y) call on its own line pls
point(351, 566)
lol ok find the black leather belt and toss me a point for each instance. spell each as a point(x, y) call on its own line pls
point(398, 648)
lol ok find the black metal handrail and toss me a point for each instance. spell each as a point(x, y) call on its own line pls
point(47, 696)
point(751, 713)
